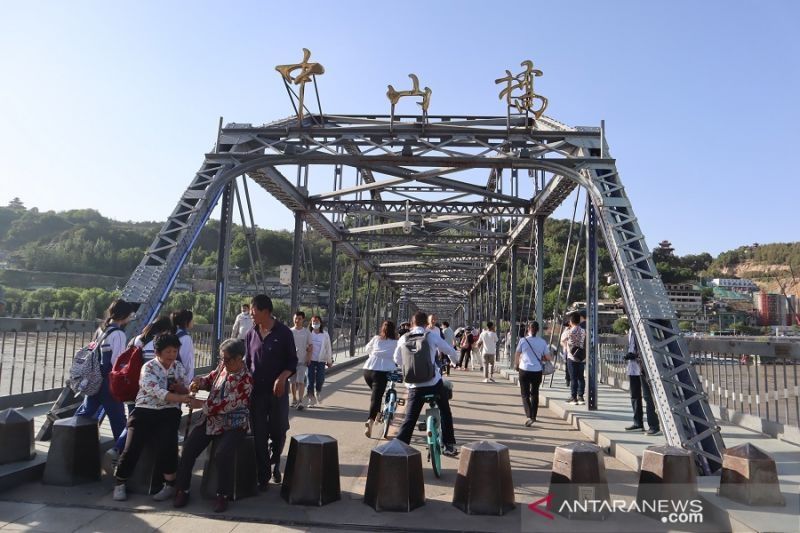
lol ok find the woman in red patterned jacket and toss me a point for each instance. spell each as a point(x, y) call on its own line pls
point(226, 415)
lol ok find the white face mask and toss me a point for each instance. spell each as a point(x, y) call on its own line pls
point(315, 325)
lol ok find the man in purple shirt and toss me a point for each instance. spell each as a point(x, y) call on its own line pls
point(272, 359)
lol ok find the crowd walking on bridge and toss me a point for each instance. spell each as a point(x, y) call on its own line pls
point(266, 361)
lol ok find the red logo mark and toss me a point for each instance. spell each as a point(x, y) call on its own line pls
point(535, 506)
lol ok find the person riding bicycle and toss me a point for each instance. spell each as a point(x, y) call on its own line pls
point(417, 391)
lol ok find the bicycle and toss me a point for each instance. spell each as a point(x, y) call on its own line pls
point(433, 433)
point(390, 402)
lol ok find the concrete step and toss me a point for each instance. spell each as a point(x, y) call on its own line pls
point(606, 427)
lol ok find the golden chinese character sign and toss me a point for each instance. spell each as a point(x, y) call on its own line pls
point(519, 93)
point(307, 72)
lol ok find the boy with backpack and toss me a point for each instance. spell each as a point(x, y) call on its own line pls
point(416, 356)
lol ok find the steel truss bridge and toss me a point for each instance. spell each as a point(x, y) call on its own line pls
point(431, 209)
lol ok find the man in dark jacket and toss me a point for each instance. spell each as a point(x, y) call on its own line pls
point(272, 359)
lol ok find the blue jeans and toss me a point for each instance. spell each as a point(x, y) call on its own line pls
point(316, 376)
point(577, 380)
point(114, 410)
point(120, 445)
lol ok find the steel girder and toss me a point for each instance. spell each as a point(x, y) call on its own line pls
point(417, 208)
point(403, 161)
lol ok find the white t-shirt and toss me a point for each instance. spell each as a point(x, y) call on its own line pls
point(302, 340)
point(242, 324)
point(186, 354)
point(532, 349)
point(115, 341)
point(380, 353)
point(148, 350)
point(488, 341)
point(321, 347)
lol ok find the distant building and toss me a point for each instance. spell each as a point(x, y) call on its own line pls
point(608, 311)
point(686, 298)
point(773, 309)
point(730, 295)
point(740, 285)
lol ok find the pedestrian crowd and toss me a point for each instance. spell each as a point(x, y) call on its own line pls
point(265, 362)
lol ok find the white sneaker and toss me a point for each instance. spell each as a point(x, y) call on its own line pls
point(120, 494)
point(318, 397)
point(310, 401)
point(486, 380)
point(167, 492)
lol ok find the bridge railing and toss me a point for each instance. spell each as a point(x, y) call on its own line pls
point(742, 378)
point(36, 355)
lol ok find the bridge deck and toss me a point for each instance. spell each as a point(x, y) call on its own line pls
point(481, 411)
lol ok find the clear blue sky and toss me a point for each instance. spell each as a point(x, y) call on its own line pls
point(112, 106)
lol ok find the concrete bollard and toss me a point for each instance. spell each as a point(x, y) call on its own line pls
point(243, 462)
point(312, 471)
point(749, 475)
point(578, 483)
point(484, 484)
point(667, 473)
point(16, 436)
point(145, 479)
point(74, 455)
point(394, 478)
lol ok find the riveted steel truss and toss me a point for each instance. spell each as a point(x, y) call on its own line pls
point(430, 209)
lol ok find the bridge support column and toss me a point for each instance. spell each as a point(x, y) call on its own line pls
point(497, 297)
point(512, 277)
point(479, 303)
point(223, 260)
point(539, 294)
point(591, 306)
point(332, 289)
point(296, 251)
point(353, 309)
point(367, 310)
point(378, 306)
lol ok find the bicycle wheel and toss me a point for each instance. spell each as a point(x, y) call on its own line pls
point(387, 423)
point(434, 447)
point(388, 412)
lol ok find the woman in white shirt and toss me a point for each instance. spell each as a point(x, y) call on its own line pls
point(182, 322)
point(376, 370)
point(321, 358)
point(531, 351)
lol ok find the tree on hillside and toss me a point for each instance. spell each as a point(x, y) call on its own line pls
point(16, 203)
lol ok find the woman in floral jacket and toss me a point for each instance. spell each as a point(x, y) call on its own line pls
point(227, 419)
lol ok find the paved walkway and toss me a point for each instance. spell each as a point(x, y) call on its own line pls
point(482, 411)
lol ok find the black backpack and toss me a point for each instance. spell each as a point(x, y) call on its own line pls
point(417, 363)
point(578, 353)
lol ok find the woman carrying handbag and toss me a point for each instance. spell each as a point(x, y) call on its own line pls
point(532, 361)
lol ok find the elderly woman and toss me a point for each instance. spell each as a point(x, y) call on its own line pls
point(155, 417)
point(226, 419)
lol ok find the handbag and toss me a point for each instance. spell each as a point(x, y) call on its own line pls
point(547, 366)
